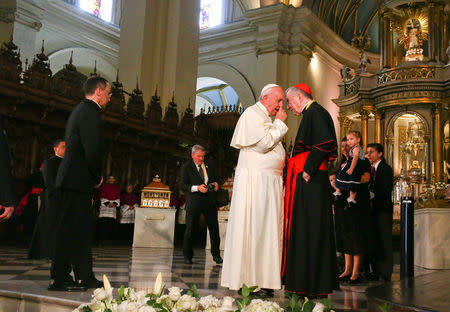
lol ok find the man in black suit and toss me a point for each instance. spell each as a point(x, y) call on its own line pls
point(199, 182)
point(6, 183)
point(79, 173)
point(382, 183)
point(41, 246)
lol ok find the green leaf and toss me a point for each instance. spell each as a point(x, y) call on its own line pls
point(293, 301)
point(385, 307)
point(86, 309)
point(193, 291)
point(252, 289)
point(246, 301)
point(308, 306)
point(327, 303)
point(245, 291)
point(121, 291)
point(107, 310)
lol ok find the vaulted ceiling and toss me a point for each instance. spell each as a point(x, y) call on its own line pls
point(350, 19)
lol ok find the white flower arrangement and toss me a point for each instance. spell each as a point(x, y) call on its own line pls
point(130, 300)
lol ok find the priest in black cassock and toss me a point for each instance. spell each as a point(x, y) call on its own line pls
point(309, 254)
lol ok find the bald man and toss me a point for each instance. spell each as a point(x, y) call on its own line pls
point(253, 243)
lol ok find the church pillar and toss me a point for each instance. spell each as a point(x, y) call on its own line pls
point(159, 47)
point(342, 128)
point(443, 43)
point(377, 126)
point(432, 30)
point(437, 144)
point(386, 40)
point(364, 127)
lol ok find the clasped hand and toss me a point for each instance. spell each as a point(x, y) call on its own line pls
point(202, 188)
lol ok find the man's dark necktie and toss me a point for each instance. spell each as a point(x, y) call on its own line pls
point(200, 172)
point(373, 172)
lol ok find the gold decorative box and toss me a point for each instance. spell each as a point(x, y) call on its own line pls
point(155, 195)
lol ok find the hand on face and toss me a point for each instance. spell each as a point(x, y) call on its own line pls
point(281, 115)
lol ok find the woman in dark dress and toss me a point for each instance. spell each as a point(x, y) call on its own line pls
point(350, 222)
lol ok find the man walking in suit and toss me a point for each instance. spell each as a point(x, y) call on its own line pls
point(79, 173)
point(199, 182)
point(6, 182)
point(382, 183)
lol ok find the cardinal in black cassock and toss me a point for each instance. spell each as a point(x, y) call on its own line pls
point(309, 254)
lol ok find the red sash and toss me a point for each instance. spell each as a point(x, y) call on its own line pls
point(295, 166)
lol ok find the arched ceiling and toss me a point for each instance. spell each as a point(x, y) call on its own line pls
point(356, 21)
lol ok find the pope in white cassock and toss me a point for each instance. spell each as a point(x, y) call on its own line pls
point(253, 245)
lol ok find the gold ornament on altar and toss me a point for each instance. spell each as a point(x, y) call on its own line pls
point(412, 30)
point(155, 195)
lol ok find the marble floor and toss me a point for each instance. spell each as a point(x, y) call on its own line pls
point(138, 268)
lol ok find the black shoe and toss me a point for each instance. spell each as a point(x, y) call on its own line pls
point(344, 278)
point(91, 282)
point(188, 261)
point(355, 281)
point(264, 293)
point(65, 286)
point(315, 297)
point(218, 260)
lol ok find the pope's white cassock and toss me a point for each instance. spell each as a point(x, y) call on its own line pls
point(253, 243)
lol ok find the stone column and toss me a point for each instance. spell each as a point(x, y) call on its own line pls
point(437, 144)
point(381, 35)
point(159, 47)
point(342, 126)
point(364, 127)
point(386, 40)
point(377, 126)
point(441, 23)
point(432, 31)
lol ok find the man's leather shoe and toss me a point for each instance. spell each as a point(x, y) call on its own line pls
point(65, 286)
point(264, 293)
point(91, 283)
point(188, 261)
point(218, 260)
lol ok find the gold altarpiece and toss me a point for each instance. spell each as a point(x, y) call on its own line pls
point(405, 105)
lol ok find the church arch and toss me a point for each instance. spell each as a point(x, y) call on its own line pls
point(84, 59)
point(232, 77)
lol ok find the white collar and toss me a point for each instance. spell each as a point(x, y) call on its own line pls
point(375, 165)
point(264, 109)
point(58, 156)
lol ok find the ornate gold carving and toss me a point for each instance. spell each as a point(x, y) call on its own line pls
point(352, 86)
point(406, 73)
point(408, 95)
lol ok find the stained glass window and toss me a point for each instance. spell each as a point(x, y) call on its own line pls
point(99, 8)
point(210, 13)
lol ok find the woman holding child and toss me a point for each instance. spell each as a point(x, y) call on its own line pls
point(352, 206)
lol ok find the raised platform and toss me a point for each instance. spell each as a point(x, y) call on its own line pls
point(33, 296)
point(429, 292)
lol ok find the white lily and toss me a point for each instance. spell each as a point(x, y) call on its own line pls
point(107, 285)
point(158, 287)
